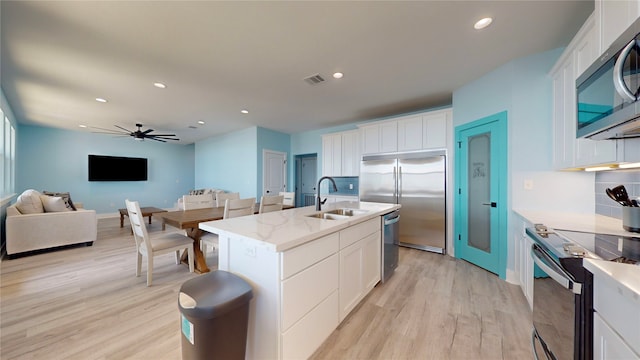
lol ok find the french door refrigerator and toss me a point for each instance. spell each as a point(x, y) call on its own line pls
point(417, 181)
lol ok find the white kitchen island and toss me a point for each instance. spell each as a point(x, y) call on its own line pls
point(307, 273)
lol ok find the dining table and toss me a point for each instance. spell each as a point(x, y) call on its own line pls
point(188, 220)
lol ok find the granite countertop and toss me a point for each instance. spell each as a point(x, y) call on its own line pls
point(283, 230)
point(592, 223)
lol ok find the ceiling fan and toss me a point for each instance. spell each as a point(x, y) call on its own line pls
point(138, 134)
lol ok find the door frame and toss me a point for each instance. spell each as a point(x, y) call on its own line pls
point(501, 137)
point(264, 167)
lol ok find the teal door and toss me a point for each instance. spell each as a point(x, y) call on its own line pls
point(481, 196)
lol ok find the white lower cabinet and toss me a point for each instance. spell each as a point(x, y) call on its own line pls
point(524, 265)
point(359, 263)
point(607, 344)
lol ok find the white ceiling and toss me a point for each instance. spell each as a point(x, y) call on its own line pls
point(217, 58)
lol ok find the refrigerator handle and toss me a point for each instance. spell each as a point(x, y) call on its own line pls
point(395, 186)
point(399, 183)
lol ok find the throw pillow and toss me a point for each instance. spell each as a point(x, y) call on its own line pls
point(29, 202)
point(53, 203)
point(65, 196)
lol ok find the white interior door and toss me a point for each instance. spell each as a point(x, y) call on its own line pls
point(274, 172)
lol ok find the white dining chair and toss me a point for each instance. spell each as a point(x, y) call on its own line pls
point(191, 202)
point(270, 203)
point(232, 208)
point(289, 198)
point(222, 197)
point(157, 245)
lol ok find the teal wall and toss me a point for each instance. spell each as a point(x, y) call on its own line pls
point(228, 162)
point(276, 141)
point(523, 88)
point(233, 162)
point(56, 160)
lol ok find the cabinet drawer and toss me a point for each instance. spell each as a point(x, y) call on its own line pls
point(303, 291)
point(357, 232)
point(619, 311)
point(304, 337)
point(303, 256)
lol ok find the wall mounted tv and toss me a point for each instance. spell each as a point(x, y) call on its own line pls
point(117, 168)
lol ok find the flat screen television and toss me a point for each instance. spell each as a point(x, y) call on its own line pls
point(117, 168)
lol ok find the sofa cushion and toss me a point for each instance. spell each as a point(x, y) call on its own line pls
point(29, 202)
point(66, 197)
point(53, 203)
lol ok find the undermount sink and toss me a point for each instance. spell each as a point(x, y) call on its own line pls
point(337, 214)
point(347, 212)
point(327, 216)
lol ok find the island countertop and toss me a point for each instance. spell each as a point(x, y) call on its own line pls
point(286, 229)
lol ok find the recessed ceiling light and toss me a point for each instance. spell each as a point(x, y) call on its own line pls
point(483, 23)
point(82, 126)
point(159, 85)
point(101, 100)
point(244, 111)
point(201, 122)
point(338, 75)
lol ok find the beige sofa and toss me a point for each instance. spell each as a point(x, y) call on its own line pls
point(30, 230)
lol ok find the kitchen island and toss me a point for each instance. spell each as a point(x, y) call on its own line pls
point(307, 272)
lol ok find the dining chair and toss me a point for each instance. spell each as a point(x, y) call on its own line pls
point(157, 245)
point(232, 208)
point(270, 203)
point(289, 198)
point(191, 202)
point(221, 197)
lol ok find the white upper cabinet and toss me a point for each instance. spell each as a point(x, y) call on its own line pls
point(613, 18)
point(570, 152)
point(351, 153)
point(410, 132)
point(430, 130)
point(341, 154)
point(389, 136)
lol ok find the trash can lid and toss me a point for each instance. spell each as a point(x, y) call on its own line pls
point(213, 294)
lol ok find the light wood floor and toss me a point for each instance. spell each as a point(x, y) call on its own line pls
point(86, 303)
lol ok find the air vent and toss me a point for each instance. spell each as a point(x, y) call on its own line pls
point(314, 79)
point(192, 127)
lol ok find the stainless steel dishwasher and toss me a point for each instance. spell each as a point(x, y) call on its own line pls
point(390, 243)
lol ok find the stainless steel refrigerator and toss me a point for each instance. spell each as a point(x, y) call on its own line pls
point(417, 181)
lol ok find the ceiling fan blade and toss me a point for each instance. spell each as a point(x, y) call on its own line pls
point(111, 130)
point(152, 138)
point(162, 135)
point(147, 131)
point(110, 133)
point(162, 138)
point(120, 127)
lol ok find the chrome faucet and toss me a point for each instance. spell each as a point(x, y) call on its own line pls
point(318, 201)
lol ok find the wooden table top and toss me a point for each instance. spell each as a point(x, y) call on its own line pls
point(188, 219)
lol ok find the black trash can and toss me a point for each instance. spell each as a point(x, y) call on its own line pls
point(214, 314)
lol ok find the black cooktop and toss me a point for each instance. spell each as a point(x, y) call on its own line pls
point(624, 249)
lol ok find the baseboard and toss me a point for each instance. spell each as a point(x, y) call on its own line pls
point(512, 277)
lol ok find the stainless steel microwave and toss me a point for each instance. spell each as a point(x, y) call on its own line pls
point(608, 92)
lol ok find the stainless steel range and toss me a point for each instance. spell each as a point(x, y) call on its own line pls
point(563, 300)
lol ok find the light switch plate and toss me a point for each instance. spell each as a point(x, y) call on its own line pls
point(528, 184)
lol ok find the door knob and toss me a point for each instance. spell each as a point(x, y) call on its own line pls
point(492, 204)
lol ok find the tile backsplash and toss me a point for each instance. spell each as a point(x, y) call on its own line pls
point(347, 185)
point(610, 179)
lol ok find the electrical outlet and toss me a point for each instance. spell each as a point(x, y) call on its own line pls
point(528, 184)
point(350, 186)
